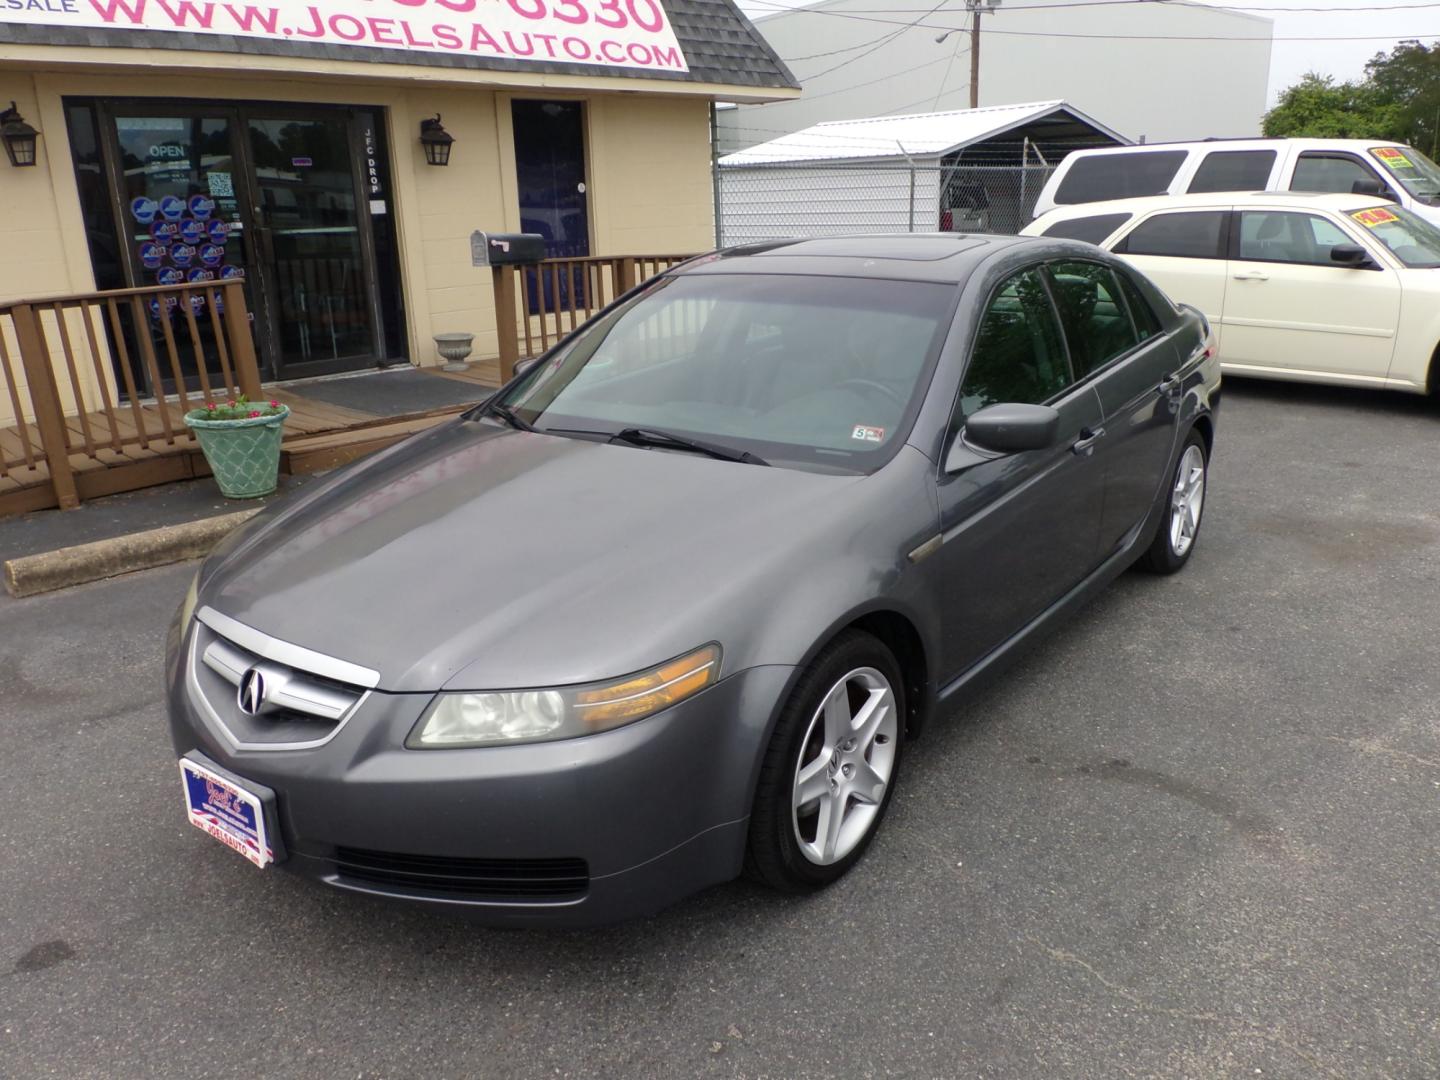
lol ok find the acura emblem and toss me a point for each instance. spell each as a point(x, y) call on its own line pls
point(252, 692)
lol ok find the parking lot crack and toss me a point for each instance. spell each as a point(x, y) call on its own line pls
point(1070, 959)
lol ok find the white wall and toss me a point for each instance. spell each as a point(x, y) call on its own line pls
point(1182, 89)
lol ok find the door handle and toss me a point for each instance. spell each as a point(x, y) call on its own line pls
point(1086, 443)
point(1171, 386)
point(1252, 275)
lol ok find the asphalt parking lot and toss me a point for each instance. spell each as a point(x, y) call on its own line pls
point(1195, 833)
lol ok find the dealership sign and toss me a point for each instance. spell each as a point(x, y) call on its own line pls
point(609, 33)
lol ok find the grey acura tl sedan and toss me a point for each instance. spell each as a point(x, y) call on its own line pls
point(669, 605)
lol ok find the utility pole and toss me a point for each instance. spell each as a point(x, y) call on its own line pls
point(976, 9)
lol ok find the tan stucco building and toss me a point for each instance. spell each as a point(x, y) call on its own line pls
point(168, 156)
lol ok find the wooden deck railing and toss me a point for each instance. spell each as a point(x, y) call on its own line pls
point(538, 305)
point(60, 384)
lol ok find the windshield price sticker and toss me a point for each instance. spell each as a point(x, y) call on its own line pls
point(862, 433)
point(605, 33)
point(1392, 156)
point(1376, 215)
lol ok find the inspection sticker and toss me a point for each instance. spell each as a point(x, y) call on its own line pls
point(1376, 215)
point(868, 434)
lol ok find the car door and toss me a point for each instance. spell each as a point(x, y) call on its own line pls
point(1018, 530)
point(1291, 309)
point(1115, 342)
point(1183, 252)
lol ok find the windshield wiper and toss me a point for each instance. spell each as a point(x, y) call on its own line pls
point(638, 436)
point(509, 415)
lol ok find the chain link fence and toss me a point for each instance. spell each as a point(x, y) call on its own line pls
point(777, 201)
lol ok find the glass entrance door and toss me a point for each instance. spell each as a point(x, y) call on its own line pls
point(184, 219)
point(267, 193)
point(313, 250)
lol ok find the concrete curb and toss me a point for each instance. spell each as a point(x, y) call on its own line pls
point(50, 570)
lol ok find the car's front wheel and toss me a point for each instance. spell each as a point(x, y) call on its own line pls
point(1185, 503)
point(830, 768)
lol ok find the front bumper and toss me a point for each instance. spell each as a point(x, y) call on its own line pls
point(575, 832)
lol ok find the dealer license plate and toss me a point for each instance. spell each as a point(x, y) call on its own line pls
point(227, 811)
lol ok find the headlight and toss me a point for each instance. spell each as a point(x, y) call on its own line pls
point(507, 717)
point(187, 607)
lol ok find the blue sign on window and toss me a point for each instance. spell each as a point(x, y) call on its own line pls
point(144, 210)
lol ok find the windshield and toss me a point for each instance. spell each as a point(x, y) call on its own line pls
point(814, 372)
point(1417, 173)
point(1410, 238)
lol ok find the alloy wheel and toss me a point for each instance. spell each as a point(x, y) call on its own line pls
point(845, 765)
point(1187, 499)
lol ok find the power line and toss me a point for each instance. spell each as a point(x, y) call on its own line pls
point(879, 44)
point(1104, 37)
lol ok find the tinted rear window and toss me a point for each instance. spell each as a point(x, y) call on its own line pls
point(1182, 236)
point(1090, 229)
point(1234, 170)
point(1119, 176)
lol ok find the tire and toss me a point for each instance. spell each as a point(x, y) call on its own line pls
point(849, 759)
point(1182, 509)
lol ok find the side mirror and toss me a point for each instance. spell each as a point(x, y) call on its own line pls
point(1351, 255)
point(1377, 188)
point(1012, 428)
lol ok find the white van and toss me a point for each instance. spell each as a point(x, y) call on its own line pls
point(1348, 166)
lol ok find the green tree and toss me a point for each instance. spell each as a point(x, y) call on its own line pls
point(1408, 79)
point(1319, 107)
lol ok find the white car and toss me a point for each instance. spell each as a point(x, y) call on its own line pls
point(1393, 171)
point(1340, 289)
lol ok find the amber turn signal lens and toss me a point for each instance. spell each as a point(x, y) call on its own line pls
point(640, 695)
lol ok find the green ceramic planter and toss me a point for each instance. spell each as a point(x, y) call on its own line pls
point(243, 454)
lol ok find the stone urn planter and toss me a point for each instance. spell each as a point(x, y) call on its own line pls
point(453, 349)
point(241, 443)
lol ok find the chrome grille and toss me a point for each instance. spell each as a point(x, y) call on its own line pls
point(262, 693)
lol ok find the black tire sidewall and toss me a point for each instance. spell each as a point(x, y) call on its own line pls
point(775, 856)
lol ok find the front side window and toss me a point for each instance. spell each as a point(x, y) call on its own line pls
point(1410, 238)
point(802, 371)
point(1233, 170)
point(1119, 176)
point(1276, 236)
point(1178, 236)
point(1097, 324)
point(1091, 229)
point(1329, 172)
point(1019, 354)
point(1416, 173)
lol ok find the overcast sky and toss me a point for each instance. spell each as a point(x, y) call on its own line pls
point(1289, 59)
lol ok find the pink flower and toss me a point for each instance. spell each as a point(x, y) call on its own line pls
point(231, 403)
point(254, 412)
point(210, 405)
point(274, 404)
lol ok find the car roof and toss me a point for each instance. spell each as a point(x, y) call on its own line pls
point(1293, 199)
point(941, 257)
point(1238, 143)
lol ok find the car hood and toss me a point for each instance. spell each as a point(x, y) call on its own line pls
point(478, 557)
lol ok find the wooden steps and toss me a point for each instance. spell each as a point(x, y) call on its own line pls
point(317, 452)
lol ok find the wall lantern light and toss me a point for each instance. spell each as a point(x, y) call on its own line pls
point(19, 137)
point(436, 141)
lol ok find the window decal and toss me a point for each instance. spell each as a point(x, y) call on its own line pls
point(1375, 215)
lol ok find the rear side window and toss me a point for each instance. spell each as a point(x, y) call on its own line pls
point(1234, 170)
point(1147, 323)
point(1090, 229)
point(1019, 354)
point(1096, 321)
point(1119, 176)
point(1197, 235)
point(1329, 172)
